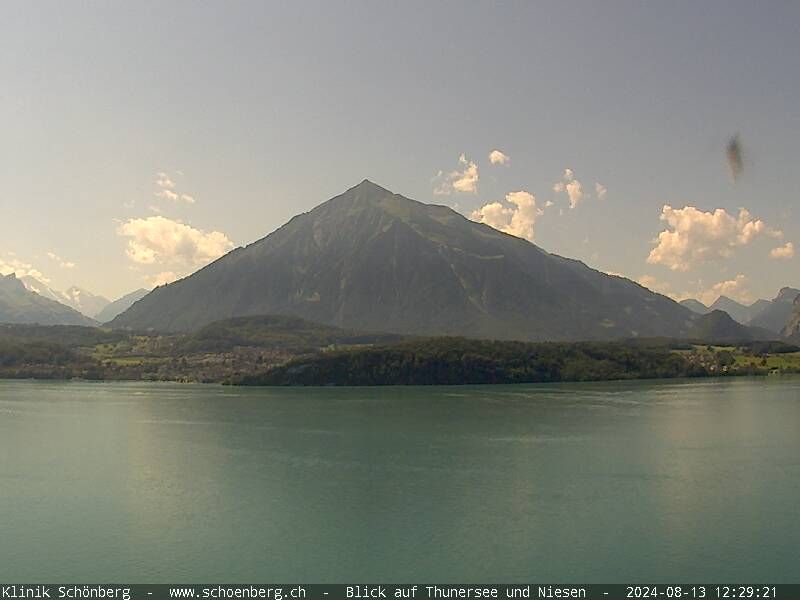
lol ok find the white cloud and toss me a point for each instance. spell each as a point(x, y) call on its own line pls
point(601, 191)
point(735, 288)
point(571, 186)
point(575, 192)
point(464, 181)
point(64, 264)
point(164, 182)
point(20, 268)
point(161, 240)
point(167, 189)
point(518, 219)
point(693, 236)
point(496, 157)
point(655, 284)
point(785, 251)
point(167, 195)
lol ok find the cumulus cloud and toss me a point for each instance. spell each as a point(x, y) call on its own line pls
point(693, 236)
point(161, 240)
point(496, 157)
point(655, 284)
point(517, 217)
point(11, 264)
point(571, 186)
point(166, 189)
point(601, 191)
point(575, 192)
point(735, 288)
point(64, 264)
point(463, 181)
point(785, 251)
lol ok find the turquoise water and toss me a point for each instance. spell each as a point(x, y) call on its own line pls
point(609, 482)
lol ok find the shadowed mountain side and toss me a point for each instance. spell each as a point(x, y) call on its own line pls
point(739, 312)
point(792, 328)
point(695, 306)
point(120, 305)
point(373, 260)
point(719, 326)
point(20, 305)
point(776, 316)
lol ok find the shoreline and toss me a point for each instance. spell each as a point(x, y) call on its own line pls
point(699, 377)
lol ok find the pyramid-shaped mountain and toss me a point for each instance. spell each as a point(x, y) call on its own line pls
point(370, 259)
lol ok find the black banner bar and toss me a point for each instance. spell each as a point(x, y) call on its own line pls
point(532, 591)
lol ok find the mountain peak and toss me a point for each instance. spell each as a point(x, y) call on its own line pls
point(11, 281)
point(369, 196)
point(19, 305)
point(367, 186)
point(786, 294)
point(371, 259)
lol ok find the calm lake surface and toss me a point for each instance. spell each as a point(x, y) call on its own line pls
point(610, 482)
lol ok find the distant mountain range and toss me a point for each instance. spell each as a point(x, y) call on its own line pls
point(776, 316)
point(772, 315)
point(370, 259)
point(741, 313)
point(20, 305)
point(792, 329)
point(84, 302)
point(719, 326)
point(23, 298)
point(120, 305)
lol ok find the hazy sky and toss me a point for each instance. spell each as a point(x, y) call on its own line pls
point(140, 140)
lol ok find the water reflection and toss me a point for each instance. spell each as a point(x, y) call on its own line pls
point(647, 481)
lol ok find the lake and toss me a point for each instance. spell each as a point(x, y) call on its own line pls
point(673, 481)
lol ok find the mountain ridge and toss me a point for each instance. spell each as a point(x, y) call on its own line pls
point(371, 259)
point(120, 305)
point(775, 317)
point(21, 306)
point(84, 302)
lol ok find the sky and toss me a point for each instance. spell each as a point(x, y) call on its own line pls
point(141, 140)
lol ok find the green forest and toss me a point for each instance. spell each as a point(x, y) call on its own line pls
point(278, 350)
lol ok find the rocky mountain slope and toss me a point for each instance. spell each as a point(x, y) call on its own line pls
point(20, 305)
point(120, 305)
point(370, 259)
point(84, 302)
point(776, 316)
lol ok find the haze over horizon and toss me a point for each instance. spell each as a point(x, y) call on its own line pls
point(143, 141)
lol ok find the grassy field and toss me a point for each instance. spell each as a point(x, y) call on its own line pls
point(735, 358)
